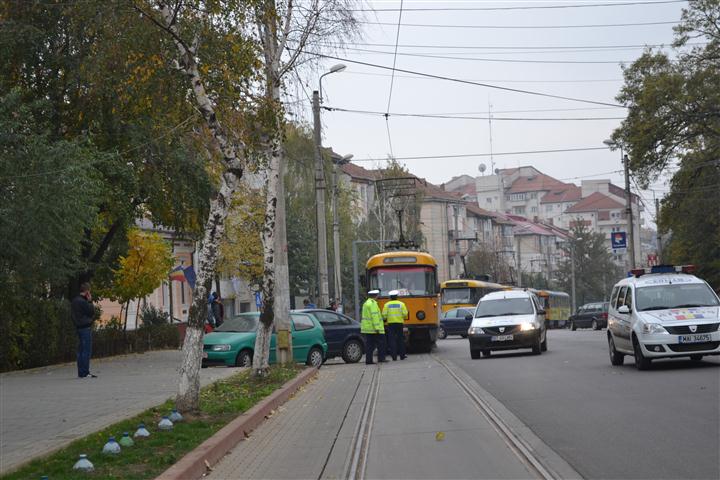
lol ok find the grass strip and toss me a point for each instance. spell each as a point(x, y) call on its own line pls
point(220, 403)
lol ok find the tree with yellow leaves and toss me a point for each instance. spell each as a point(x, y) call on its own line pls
point(145, 266)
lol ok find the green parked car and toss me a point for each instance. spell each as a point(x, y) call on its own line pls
point(232, 343)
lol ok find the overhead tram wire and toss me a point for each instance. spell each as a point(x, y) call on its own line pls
point(466, 82)
point(392, 77)
point(534, 7)
point(509, 80)
point(518, 47)
point(470, 155)
point(463, 117)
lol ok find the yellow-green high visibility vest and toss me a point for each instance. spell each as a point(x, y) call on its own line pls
point(395, 311)
point(371, 321)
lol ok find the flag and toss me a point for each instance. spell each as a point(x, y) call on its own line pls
point(178, 274)
point(190, 276)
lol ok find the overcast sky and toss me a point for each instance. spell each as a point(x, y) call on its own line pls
point(523, 58)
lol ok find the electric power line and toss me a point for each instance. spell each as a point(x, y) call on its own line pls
point(469, 155)
point(515, 47)
point(467, 82)
point(464, 117)
point(415, 77)
point(530, 27)
point(534, 7)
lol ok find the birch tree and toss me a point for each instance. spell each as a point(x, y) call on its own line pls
point(184, 24)
point(288, 32)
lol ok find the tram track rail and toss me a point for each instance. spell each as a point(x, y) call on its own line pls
point(357, 458)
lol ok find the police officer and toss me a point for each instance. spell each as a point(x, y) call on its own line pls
point(372, 327)
point(395, 313)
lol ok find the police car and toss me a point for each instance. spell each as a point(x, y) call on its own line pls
point(662, 312)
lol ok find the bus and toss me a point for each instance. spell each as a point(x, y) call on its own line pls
point(414, 275)
point(557, 307)
point(465, 293)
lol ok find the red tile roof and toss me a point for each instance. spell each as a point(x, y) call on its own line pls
point(480, 212)
point(535, 183)
point(569, 193)
point(356, 171)
point(596, 201)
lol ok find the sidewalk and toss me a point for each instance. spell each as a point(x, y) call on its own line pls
point(44, 409)
point(314, 434)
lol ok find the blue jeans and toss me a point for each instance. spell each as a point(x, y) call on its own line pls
point(84, 351)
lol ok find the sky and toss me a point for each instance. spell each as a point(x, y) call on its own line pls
point(509, 47)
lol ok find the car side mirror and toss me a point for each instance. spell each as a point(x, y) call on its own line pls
point(468, 317)
point(541, 312)
point(623, 309)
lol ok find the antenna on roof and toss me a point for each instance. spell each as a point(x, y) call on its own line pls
point(482, 168)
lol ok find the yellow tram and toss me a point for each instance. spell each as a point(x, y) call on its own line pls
point(465, 293)
point(556, 305)
point(414, 275)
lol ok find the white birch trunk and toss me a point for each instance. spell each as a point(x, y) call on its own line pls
point(188, 395)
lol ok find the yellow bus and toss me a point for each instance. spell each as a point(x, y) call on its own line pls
point(465, 293)
point(557, 307)
point(414, 275)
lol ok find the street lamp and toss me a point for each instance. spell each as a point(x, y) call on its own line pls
point(628, 202)
point(337, 161)
point(323, 298)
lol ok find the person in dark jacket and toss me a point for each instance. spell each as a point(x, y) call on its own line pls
point(82, 313)
point(218, 309)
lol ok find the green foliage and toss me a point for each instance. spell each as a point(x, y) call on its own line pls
point(483, 260)
point(673, 118)
point(151, 315)
point(595, 272)
point(220, 403)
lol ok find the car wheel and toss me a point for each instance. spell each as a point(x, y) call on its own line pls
point(616, 358)
point(537, 348)
point(543, 345)
point(244, 359)
point(442, 334)
point(315, 358)
point(696, 358)
point(474, 354)
point(594, 325)
point(572, 326)
point(486, 353)
point(641, 361)
point(352, 351)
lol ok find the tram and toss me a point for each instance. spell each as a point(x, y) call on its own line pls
point(414, 275)
point(465, 293)
point(557, 307)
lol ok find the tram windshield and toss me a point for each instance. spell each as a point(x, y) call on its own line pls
point(408, 281)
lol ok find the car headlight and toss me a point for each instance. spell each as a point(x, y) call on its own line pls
point(525, 327)
point(220, 348)
point(475, 331)
point(653, 328)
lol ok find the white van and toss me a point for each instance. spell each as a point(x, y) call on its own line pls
point(662, 312)
point(507, 320)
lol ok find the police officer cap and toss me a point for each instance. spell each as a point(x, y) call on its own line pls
point(394, 293)
point(374, 292)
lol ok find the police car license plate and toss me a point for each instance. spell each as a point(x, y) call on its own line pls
point(501, 338)
point(704, 337)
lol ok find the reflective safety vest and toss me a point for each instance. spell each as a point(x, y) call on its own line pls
point(395, 311)
point(371, 318)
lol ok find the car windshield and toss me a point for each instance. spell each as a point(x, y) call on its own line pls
point(241, 323)
point(504, 306)
point(661, 297)
point(408, 281)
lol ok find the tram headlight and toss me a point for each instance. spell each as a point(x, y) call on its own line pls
point(420, 315)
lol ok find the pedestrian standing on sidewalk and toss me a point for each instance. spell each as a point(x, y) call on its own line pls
point(372, 327)
point(82, 313)
point(218, 310)
point(395, 313)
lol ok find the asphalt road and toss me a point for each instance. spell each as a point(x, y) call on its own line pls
point(607, 422)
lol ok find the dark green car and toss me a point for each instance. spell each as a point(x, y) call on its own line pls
point(232, 343)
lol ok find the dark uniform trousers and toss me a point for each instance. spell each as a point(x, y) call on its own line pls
point(396, 340)
point(373, 341)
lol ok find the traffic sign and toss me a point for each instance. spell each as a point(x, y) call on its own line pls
point(618, 240)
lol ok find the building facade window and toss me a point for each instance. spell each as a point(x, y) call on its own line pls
point(519, 210)
point(517, 196)
point(533, 209)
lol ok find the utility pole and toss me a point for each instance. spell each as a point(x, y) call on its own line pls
point(657, 227)
point(572, 276)
point(628, 212)
point(323, 298)
point(458, 260)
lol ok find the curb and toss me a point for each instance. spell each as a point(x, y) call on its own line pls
point(195, 464)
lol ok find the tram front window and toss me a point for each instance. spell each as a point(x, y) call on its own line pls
point(408, 281)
